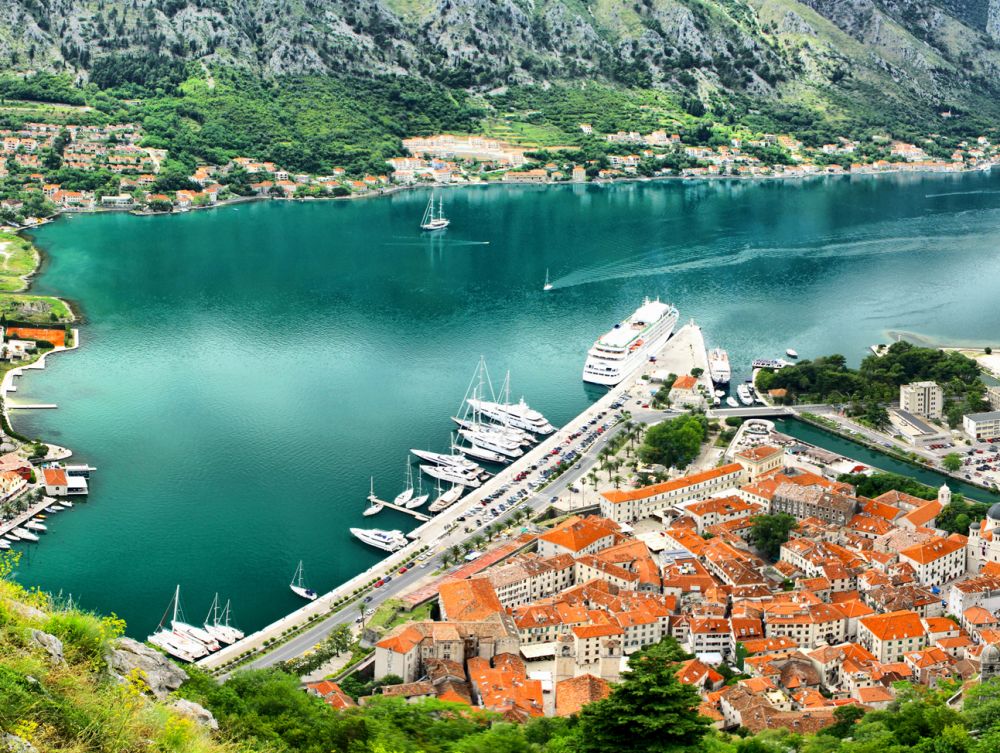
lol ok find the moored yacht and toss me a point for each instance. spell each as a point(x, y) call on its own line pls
point(298, 585)
point(387, 541)
point(441, 458)
point(217, 623)
point(482, 453)
point(493, 442)
point(718, 366)
point(447, 499)
point(374, 503)
point(519, 415)
point(624, 348)
point(745, 395)
point(518, 435)
point(451, 476)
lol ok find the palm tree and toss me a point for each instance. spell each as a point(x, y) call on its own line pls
point(618, 481)
point(361, 612)
point(466, 547)
point(478, 541)
point(456, 553)
point(592, 476)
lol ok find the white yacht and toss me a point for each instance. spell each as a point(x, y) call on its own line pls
point(25, 535)
point(518, 435)
point(519, 415)
point(447, 499)
point(432, 221)
point(419, 498)
point(177, 640)
point(4, 544)
point(441, 458)
point(731, 402)
point(625, 348)
point(745, 395)
point(404, 496)
point(493, 442)
point(791, 353)
point(387, 541)
point(298, 585)
point(34, 525)
point(451, 476)
point(196, 634)
point(217, 624)
point(482, 453)
point(718, 366)
point(375, 505)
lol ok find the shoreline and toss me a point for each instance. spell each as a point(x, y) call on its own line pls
point(393, 189)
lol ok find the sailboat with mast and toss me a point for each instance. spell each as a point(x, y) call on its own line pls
point(446, 499)
point(415, 501)
point(432, 221)
point(374, 503)
point(548, 285)
point(177, 641)
point(217, 623)
point(407, 494)
point(298, 585)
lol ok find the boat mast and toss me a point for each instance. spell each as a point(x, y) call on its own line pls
point(177, 601)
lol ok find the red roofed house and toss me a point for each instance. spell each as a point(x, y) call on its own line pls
point(578, 536)
point(331, 693)
point(573, 693)
point(890, 636)
point(56, 484)
point(759, 461)
point(468, 600)
point(623, 505)
point(938, 560)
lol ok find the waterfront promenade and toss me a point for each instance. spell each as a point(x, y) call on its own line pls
point(683, 352)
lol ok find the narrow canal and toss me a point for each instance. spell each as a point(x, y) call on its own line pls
point(834, 443)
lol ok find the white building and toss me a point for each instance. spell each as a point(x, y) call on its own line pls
point(937, 561)
point(982, 425)
point(922, 399)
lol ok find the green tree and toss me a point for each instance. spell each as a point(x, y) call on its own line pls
point(675, 442)
point(952, 461)
point(650, 708)
point(769, 532)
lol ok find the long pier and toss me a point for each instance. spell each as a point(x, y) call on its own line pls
point(399, 508)
point(685, 350)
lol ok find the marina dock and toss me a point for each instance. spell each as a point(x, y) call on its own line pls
point(399, 508)
point(21, 518)
point(31, 406)
point(684, 351)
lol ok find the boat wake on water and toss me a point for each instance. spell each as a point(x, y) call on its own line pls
point(933, 233)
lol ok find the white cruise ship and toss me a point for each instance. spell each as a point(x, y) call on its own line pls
point(387, 541)
point(718, 366)
point(621, 351)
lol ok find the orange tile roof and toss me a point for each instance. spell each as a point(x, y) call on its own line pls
point(403, 642)
point(685, 382)
point(55, 476)
point(572, 694)
point(578, 533)
point(596, 631)
point(923, 515)
point(645, 492)
point(934, 549)
point(469, 600)
point(894, 625)
point(758, 453)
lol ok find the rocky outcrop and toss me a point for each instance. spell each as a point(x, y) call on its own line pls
point(196, 712)
point(15, 744)
point(52, 645)
point(131, 659)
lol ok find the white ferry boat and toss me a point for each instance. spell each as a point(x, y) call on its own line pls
point(387, 541)
point(718, 366)
point(621, 351)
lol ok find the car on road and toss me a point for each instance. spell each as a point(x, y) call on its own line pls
point(403, 570)
point(367, 599)
point(379, 583)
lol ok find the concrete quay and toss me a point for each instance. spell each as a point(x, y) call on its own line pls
point(684, 351)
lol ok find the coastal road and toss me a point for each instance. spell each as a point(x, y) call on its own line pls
point(401, 584)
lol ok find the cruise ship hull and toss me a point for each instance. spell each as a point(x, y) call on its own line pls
point(613, 377)
point(619, 353)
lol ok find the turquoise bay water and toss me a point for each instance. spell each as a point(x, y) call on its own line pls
point(245, 370)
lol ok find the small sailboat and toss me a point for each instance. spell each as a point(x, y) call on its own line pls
point(414, 502)
point(432, 221)
point(548, 285)
point(220, 628)
point(404, 496)
point(181, 640)
point(299, 588)
point(374, 505)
